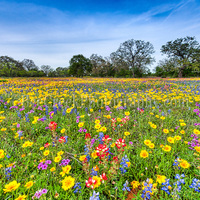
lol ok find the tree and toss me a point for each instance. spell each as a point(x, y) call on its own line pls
point(80, 66)
point(9, 66)
point(101, 66)
point(46, 69)
point(108, 67)
point(61, 72)
point(133, 54)
point(52, 73)
point(97, 64)
point(183, 50)
point(7, 69)
point(29, 65)
point(167, 67)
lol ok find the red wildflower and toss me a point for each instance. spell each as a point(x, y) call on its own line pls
point(89, 182)
point(141, 110)
point(106, 138)
point(102, 150)
point(113, 120)
point(93, 182)
point(62, 139)
point(124, 120)
point(53, 125)
point(120, 143)
point(127, 118)
point(47, 145)
point(103, 177)
point(87, 135)
point(115, 158)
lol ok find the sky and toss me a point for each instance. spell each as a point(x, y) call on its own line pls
point(50, 32)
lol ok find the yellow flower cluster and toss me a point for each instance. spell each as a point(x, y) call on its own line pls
point(27, 144)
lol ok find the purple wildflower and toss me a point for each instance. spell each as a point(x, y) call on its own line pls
point(48, 162)
point(44, 191)
point(40, 165)
point(44, 166)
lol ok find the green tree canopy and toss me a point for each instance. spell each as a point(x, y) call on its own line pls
point(46, 69)
point(10, 67)
point(185, 51)
point(29, 65)
point(62, 71)
point(101, 66)
point(133, 54)
point(80, 66)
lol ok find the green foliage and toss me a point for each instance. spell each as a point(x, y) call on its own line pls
point(133, 55)
point(28, 121)
point(80, 66)
point(131, 59)
point(184, 52)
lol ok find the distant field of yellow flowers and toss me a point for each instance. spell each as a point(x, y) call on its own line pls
point(99, 138)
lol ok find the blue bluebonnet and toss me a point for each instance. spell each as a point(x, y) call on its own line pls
point(180, 180)
point(101, 135)
point(75, 110)
point(46, 110)
point(59, 106)
point(126, 188)
point(71, 111)
point(110, 153)
point(55, 110)
point(95, 196)
point(195, 185)
point(177, 185)
point(86, 150)
point(53, 144)
point(66, 139)
point(87, 153)
point(64, 111)
point(88, 158)
point(77, 188)
point(19, 114)
point(166, 186)
point(147, 190)
point(27, 118)
point(8, 172)
point(19, 134)
point(44, 118)
point(124, 164)
point(93, 173)
point(176, 163)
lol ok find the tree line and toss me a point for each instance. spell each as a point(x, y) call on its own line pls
point(131, 59)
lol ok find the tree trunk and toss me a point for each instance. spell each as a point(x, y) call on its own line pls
point(133, 74)
point(180, 73)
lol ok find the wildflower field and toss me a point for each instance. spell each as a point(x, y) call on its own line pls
point(99, 138)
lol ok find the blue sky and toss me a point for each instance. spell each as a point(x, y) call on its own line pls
point(50, 32)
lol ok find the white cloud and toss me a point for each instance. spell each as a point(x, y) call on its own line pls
point(50, 36)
